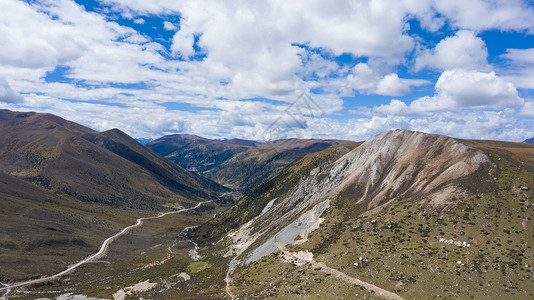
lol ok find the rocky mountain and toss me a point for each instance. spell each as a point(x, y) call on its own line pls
point(238, 164)
point(391, 217)
point(529, 141)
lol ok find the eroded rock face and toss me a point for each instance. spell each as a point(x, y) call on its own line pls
point(404, 163)
point(395, 165)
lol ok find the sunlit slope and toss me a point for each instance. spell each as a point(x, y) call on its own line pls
point(419, 215)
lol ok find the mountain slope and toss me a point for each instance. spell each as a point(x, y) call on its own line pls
point(41, 232)
point(238, 164)
point(529, 141)
point(403, 211)
point(389, 166)
point(108, 167)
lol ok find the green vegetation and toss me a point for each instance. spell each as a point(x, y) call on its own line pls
point(64, 188)
point(197, 266)
point(173, 205)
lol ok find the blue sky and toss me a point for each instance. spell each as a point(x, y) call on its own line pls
point(238, 69)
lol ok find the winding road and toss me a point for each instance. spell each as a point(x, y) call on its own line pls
point(102, 250)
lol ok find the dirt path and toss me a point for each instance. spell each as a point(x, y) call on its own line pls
point(162, 261)
point(370, 287)
point(228, 279)
point(102, 250)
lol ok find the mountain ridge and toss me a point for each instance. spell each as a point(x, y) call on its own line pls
point(400, 211)
point(236, 163)
point(108, 167)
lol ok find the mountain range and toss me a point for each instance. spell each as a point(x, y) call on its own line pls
point(237, 164)
point(403, 215)
point(103, 167)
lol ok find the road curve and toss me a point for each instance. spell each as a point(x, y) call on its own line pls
point(102, 250)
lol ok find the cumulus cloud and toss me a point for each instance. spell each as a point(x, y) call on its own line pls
point(169, 26)
point(457, 89)
point(7, 95)
point(463, 50)
point(395, 107)
point(528, 109)
point(483, 15)
point(520, 56)
point(182, 44)
point(520, 70)
point(269, 50)
point(460, 89)
point(368, 80)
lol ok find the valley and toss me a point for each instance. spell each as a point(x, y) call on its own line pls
point(387, 218)
point(100, 252)
point(237, 164)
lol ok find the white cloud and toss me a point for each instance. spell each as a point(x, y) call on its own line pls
point(182, 44)
point(495, 125)
point(463, 50)
point(139, 21)
point(169, 26)
point(504, 15)
point(395, 107)
point(392, 85)
point(520, 56)
point(520, 69)
point(268, 50)
point(457, 89)
point(7, 95)
point(350, 27)
point(251, 120)
point(367, 80)
point(257, 57)
point(528, 109)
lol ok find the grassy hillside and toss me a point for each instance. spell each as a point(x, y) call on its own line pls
point(108, 167)
point(64, 188)
point(478, 246)
point(41, 231)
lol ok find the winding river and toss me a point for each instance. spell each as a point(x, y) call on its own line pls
point(102, 250)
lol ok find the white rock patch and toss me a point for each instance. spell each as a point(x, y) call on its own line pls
point(136, 288)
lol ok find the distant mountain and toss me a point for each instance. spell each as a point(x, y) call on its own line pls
point(239, 164)
point(529, 141)
point(143, 141)
point(105, 167)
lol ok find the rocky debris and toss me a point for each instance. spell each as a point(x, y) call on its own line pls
point(136, 288)
point(398, 163)
point(182, 275)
